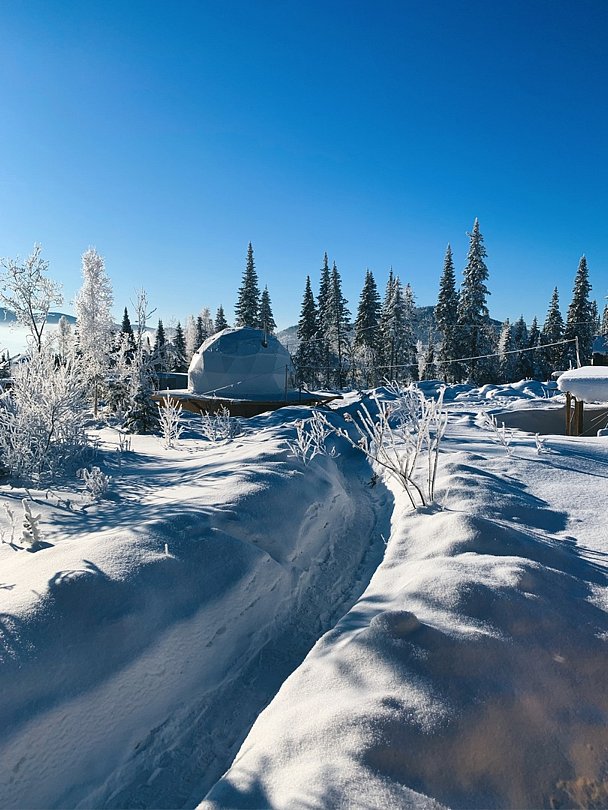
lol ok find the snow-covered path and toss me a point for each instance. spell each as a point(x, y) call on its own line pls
point(471, 673)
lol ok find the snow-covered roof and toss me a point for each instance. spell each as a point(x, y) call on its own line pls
point(589, 383)
point(243, 363)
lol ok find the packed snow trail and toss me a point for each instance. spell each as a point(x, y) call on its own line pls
point(472, 671)
point(131, 672)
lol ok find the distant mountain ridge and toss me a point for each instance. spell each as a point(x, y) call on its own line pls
point(7, 316)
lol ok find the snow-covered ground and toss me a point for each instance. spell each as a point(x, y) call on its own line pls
point(464, 668)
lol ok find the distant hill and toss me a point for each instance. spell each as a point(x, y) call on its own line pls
point(8, 317)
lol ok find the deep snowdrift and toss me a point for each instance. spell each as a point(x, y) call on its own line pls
point(139, 647)
point(472, 672)
point(124, 665)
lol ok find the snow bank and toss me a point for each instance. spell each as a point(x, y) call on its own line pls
point(472, 671)
point(589, 383)
point(123, 666)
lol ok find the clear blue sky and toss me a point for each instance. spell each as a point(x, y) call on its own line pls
point(170, 134)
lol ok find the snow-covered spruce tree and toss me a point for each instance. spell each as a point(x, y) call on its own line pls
point(94, 322)
point(267, 321)
point(523, 368)
point(247, 309)
point(396, 335)
point(553, 333)
point(604, 322)
point(367, 325)
point(446, 318)
point(160, 350)
point(178, 351)
point(409, 339)
point(579, 322)
point(142, 414)
point(220, 320)
point(474, 332)
point(307, 357)
point(126, 337)
point(324, 315)
point(339, 324)
point(506, 360)
point(29, 293)
point(42, 418)
point(538, 366)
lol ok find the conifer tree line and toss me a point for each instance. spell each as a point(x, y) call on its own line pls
point(463, 343)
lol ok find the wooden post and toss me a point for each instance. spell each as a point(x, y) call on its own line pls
point(578, 417)
point(568, 402)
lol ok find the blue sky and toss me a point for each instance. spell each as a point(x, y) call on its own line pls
point(170, 134)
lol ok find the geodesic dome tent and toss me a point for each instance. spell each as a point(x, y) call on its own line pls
point(241, 363)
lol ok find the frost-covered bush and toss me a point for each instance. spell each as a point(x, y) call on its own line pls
point(218, 426)
point(500, 434)
point(402, 436)
point(311, 438)
point(42, 418)
point(96, 482)
point(30, 532)
point(170, 420)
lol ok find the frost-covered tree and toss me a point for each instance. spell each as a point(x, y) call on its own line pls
point(553, 333)
point(247, 309)
point(190, 336)
point(27, 291)
point(604, 323)
point(367, 329)
point(579, 322)
point(307, 356)
point(220, 320)
point(94, 321)
point(142, 414)
point(65, 338)
point(473, 317)
point(267, 321)
point(446, 318)
point(43, 417)
point(506, 360)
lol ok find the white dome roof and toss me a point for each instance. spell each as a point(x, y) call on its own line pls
point(243, 363)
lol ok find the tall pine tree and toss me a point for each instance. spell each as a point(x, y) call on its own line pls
point(339, 323)
point(306, 359)
point(247, 309)
point(179, 350)
point(446, 317)
point(367, 329)
point(267, 321)
point(553, 333)
point(220, 320)
point(473, 317)
point(324, 316)
point(579, 323)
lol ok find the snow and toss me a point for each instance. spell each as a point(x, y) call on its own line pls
point(589, 383)
point(462, 664)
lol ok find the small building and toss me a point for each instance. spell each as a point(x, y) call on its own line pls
point(243, 363)
point(583, 385)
